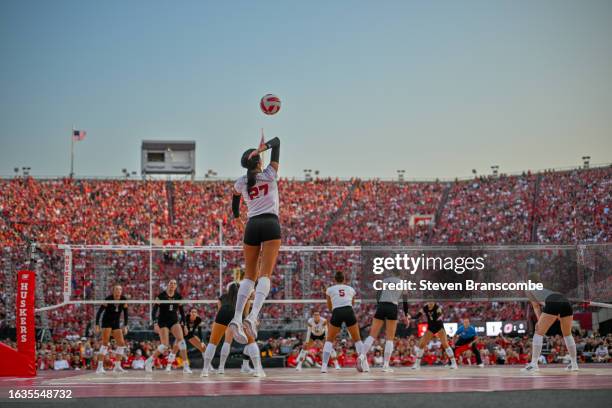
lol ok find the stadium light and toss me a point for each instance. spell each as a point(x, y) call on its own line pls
point(586, 160)
point(308, 174)
point(400, 175)
point(495, 169)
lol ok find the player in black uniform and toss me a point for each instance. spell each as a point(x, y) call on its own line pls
point(111, 317)
point(435, 327)
point(224, 316)
point(171, 315)
point(193, 330)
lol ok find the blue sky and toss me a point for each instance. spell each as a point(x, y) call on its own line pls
point(433, 87)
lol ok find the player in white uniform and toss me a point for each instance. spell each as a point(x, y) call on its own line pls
point(386, 314)
point(317, 331)
point(340, 300)
point(262, 234)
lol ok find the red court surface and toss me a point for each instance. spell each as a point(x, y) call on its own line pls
point(308, 382)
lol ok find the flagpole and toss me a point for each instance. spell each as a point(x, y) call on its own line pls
point(72, 153)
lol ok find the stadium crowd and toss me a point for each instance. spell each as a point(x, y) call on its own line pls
point(555, 207)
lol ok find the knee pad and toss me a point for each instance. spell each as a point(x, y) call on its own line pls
point(161, 348)
point(328, 347)
point(182, 345)
point(103, 350)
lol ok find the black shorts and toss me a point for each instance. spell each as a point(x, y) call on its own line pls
point(345, 315)
point(225, 315)
point(111, 324)
point(262, 228)
point(435, 327)
point(314, 337)
point(557, 305)
point(386, 311)
point(167, 323)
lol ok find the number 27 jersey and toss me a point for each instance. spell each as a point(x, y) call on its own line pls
point(262, 198)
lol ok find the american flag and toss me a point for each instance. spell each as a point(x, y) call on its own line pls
point(78, 135)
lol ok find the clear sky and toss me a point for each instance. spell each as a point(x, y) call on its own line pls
point(368, 87)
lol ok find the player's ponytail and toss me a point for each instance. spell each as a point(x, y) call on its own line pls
point(251, 164)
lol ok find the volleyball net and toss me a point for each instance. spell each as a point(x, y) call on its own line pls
point(72, 280)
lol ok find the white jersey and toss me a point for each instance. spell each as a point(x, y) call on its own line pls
point(390, 296)
point(318, 329)
point(341, 295)
point(262, 198)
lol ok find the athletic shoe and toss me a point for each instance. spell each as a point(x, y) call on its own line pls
point(572, 367)
point(481, 365)
point(387, 369)
point(530, 368)
point(259, 373)
point(250, 327)
point(416, 365)
point(204, 372)
point(169, 368)
point(221, 371)
point(298, 367)
point(118, 369)
point(324, 369)
point(337, 366)
point(236, 327)
point(149, 365)
point(359, 364)
point(453, 365)
point(187, 370)
point(246, 369)
point(365, 365)
point(100, 369)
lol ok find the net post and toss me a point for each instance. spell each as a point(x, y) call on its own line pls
point(150, 270)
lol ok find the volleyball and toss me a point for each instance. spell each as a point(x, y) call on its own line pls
point(270, 104)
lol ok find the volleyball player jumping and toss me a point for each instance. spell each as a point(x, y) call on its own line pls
point(262, 234)
point(111, 314)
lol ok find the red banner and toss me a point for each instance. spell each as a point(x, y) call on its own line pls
point(22, 362)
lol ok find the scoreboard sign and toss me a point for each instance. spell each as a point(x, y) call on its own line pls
point(168, 157)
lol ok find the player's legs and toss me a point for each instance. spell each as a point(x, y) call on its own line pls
point(332, 333)
point(566, 329)
point(544, 322)
point(197, 343)
point(225, 350)
point(177, 332)
point(268, 255)
point(362, 364)
point(106, 333)
point(449, 351)
point(390, 328)
point(120, 351)
point(216, 333)
point(303, 354)
point(375, 328)
point(418, 349)
point(251, 258)
point(164, 341)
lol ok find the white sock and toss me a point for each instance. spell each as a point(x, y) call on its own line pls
point(571, 348)
point(450, 354)
point(359, 347)
point(209, 354)
point(419, 352)
point(261, 293)
point(388, 352)
point(327, 349)
point(253, 352)
point(225, 350)
point(536, 348)
point(244, 291)
point(118, 363)
point(245, 364)
point(368, 344)
point(302, 356)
